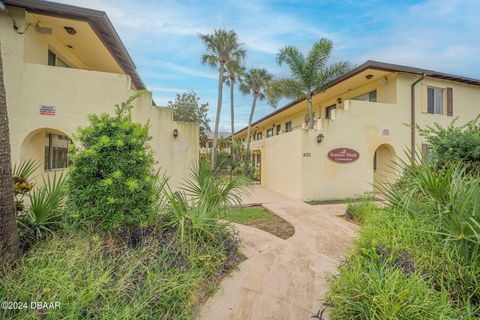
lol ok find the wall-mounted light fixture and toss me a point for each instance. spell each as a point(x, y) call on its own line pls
point(339, 100)
point(175, 132)
point(320, 138)
point(43, 30)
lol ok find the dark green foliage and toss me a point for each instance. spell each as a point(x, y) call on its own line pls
point(360, 207)
point(424, 246)
point(186, 107)
point(45, 213)
point(112, 182)
point(22, 182)
point(370, 290)
point(454, 143)
point(195, 210)
point(103, 276)
point(448, 198)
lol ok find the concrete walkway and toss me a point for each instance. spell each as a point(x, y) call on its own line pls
point(283, 279)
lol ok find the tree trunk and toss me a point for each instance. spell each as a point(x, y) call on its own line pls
point(247, 147)
point(310, 112)
point(232, 120)
point(9, 250)
point(217, 119)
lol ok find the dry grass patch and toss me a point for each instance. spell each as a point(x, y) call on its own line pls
point(260, 218)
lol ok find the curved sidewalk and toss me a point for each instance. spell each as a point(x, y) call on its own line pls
point(283, 279)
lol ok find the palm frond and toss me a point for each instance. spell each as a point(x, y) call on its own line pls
point(234, 70)
point(221, 46)
point(256, 80)
point(210, 60)
point(46, 204)
point(310, 74)
point(25, 169)
point(328, 74)
point(294, 59)
point(284, 88)
point(317, 59)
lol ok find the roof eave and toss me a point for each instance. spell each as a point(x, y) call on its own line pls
point(376, 65)
point(100, 24)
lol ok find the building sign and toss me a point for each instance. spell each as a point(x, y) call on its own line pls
point(343, 155)
point(47, 110)
point(386, 132)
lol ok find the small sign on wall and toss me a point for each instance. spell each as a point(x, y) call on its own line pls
point(386, 132)
point(343, 155)
point(47, 110)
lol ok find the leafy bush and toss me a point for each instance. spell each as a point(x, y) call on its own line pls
point(195, 210)
point(45, 213)
point(22, 184)
point(360, 207)
point(368, 290)
point(96, 277)
point(111, 179)
point(449, 198)
point(430, 234)
point(454, 144)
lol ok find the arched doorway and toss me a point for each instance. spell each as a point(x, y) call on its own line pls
point(383, 160)
point(48, 147)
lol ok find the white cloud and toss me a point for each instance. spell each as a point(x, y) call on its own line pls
point(163, 37)
point(182, 69)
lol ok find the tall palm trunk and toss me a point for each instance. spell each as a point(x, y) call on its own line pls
point(310, 111)
point(247, 147)
point(217, 120)
point(232, 119)
point(9, 250)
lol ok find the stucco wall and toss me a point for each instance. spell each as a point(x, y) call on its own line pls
point(362, 126)
point(75, 94)
point(281, 163)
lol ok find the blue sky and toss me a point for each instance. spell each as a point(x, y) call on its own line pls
point(162, 38)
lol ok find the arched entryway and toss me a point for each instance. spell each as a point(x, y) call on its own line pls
point(383, 160)
point(48, 147)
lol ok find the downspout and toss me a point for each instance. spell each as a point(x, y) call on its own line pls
point(412, 116)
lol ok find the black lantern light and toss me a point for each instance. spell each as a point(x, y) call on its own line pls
point(320, 138)
point(175, 132)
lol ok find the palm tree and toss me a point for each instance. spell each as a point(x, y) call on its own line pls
point(255, 82)
point(221, 47)
point(309, 75)
point(234, 71)
point(9, 250)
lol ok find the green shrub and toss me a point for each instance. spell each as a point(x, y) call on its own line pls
point(369, 290)
point(195, 210)
point(430, 230)
point(360, 207)
point(45, 213)
point(454, 144)
point(448, 197)
point(111, 181)
point(96, 277)
point(22, 184)
point(408, 243)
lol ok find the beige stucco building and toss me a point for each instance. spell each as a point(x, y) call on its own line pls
point(363, 121)
point(62, 63)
